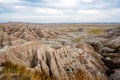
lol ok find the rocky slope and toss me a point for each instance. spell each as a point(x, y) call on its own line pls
point(58, 63)
point(22, 31)
point(109, 42)
point(8, 40)
point(27, 46)
point(108, 45)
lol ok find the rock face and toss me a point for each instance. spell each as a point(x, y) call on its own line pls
point(8, 40)
point(28, 33)
point(109, 46)
point(107, 43)
point(57, 62)
point(21, 45)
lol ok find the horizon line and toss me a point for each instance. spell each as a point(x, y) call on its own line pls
point(64, 22)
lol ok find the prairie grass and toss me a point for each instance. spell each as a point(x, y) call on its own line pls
point(68, 30)
point(78, 39)
point(13, 71)
point(95, 31)
point(82, 75)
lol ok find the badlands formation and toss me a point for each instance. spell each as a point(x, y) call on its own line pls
point(62, 52)
point(108, 45)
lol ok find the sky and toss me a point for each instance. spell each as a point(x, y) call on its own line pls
point(59, 11)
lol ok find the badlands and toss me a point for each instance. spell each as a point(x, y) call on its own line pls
point(31, 51)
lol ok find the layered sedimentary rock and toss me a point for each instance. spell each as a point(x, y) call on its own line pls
point(109, 42)
point(28, 33)
point(58, 63)
point(20, 44)
point(109, 46)
point(8, 40)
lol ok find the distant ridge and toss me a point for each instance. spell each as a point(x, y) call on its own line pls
point(64, 23)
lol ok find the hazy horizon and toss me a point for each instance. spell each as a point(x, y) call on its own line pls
point(60, 11)
point(64, 22)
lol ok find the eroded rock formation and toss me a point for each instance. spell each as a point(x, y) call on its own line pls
point(21, 45)
point(58, 63)
point(28, 33)
point(8, 40)
point(109, 42)
point(109, 46)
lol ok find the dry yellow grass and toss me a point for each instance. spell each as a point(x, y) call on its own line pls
point(96, 31)
point(19, 72)
point(82, 75)
point(76, 40)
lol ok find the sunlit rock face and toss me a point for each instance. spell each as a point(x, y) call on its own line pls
point(21, 45)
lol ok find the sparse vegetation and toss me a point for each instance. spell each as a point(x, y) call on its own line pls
point(82, 75)
point(96, 31)
point(75, 40)
point(51, 47)
point(68, 30)
point(13, 71)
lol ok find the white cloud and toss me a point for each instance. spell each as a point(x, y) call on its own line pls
point(88, 11)
point(67, 3)
point(19, 8)
point(92, 13)
point(61, 3)
point(8, 1)
point(87, 1)
point(58, 11)
point(47, 11)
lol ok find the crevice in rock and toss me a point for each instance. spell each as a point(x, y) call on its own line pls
point(111, 65)
point(34, 60)
point(48, 61)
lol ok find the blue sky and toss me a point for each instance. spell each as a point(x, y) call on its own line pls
point(59, 11)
